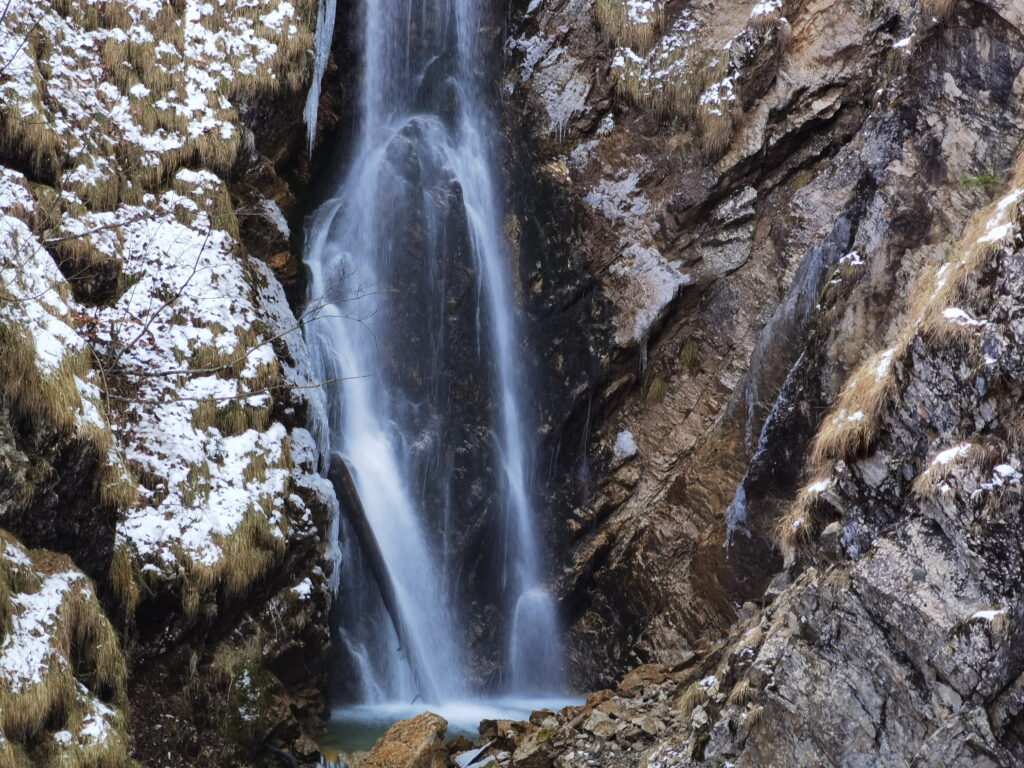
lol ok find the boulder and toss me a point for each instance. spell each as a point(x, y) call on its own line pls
point(415, 743)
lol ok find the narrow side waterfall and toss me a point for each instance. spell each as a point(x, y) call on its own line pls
point(420, 340)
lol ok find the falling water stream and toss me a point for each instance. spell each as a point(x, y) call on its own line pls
point(409, 267)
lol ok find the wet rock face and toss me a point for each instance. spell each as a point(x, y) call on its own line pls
point(746, 265)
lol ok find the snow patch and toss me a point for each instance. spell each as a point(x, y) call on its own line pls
point(625, 445)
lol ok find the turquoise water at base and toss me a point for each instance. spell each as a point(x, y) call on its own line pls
point(355, 729)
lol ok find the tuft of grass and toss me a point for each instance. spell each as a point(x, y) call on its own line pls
point(694, 696)
point(52, 397)
point(949, 285)
point(87, 652)
point(231, 417)
point(981, 456)
point(115, 484)
point(24, 133)
point(999, 622)
point(743, 693)
point(939, 8)
point(213, 200)
point(621, 26)
point(801, 524)
point(249, 553)
point(765, 21)
point(689, 357)
point(851, 428)
point(237, 668)
point(986, 180)
point(754, 716)
point(123, 580)
point(656, 391)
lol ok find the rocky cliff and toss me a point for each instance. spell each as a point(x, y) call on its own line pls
point(803, 219)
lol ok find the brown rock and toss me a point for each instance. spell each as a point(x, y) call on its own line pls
point(647, 674)
point(535, 750)
point(415, 743)
point(504, 734)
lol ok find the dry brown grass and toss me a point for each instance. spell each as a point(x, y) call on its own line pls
point(694, 696)
point(115, 484)
point(680, 95)
point(753, 717)
point(980, 456)
point(123, 580)
point(951, 284)
point(656, 391)
point(87, 643)
point(689, 357)
point(851, 428)
point(215, 202)
point(765, 21)
point(939, 8)
point(620, 28)
point(743, 693)
point(798, 528)
point(248, 553)
point(715, 128)
point(13, 755)
point(53, 397)
point(231, 417)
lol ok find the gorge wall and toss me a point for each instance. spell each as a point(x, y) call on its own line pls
point(770, 259)
point(754, 192)
point(803, 221)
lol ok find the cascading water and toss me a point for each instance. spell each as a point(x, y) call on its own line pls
point(409, 260)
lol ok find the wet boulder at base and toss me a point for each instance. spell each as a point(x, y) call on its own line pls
point(415, 743)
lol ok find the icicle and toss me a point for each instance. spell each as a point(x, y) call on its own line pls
point(325, 14)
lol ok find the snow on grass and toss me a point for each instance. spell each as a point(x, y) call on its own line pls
point(138, 96)
point(989, 614)
point(631, 22)
point(766, 8)
point(951, 454)
point(904, 44)
point(819, 486)
point(55, 637)
point(719, 97)
point(126, 112)
point(122, 92)
point(884, 367)
point(960, 317)
point(1002, 222)
point(28, 652)
point(194, 336)
point(48, 372)
point(660, 76)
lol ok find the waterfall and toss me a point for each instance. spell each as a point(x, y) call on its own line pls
point(419, 339)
